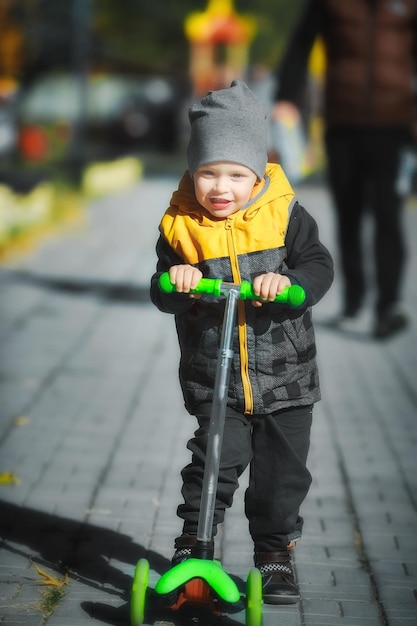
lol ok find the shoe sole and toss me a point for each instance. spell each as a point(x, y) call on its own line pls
point(281, 599)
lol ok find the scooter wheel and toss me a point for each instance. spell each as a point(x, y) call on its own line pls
point(254, 598)
point(139, 587)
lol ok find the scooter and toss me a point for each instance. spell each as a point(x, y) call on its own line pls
point(200, 580)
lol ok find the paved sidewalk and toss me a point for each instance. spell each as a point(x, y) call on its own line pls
point(93, 433)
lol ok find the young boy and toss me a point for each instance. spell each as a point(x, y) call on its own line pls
point(235, 217)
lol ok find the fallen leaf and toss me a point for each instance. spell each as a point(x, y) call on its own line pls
point(21, 420)
point(8, 478)
point(49, 579)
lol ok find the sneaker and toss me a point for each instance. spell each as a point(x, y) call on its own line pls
point(390, 322)
point(278, 582)
point(183, 548)
point(180, 555)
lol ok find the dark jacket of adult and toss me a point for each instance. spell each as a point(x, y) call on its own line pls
point(371, 50)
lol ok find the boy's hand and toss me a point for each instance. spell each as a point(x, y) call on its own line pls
point(185, 277)
point(268, 286)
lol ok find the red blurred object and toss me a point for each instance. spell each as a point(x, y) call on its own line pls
point(33, 143)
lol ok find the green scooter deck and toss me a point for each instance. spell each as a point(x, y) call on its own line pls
point(209, 571)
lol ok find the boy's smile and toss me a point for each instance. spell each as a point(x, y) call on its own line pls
point(223, 188)
point(219, 203)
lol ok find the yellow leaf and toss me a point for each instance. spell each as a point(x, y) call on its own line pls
point(8, 478)
point(49, 579)
point(21, 420)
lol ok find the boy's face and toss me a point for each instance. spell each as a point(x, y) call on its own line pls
point(223, 187)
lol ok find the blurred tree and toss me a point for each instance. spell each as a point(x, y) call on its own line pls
point(148, 36)
point(138, 36)
point(275, 22)
point(151, 34)
point(46, 25)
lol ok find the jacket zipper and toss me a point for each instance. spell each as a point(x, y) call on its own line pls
point(241, 319)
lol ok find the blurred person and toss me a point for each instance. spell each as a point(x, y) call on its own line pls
point(369, 108)
point(235, 216)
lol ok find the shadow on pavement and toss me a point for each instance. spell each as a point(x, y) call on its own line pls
point(157, 615)
point(120, 292)
point(84, 551)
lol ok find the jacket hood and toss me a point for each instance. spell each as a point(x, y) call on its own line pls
point(274, 185)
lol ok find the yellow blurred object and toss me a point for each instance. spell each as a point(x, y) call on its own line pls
point(20, 212)
point(8, 86)
point(317, 59)
point(7, 201)
point(220, 39)
point(219, 22)
point(104, 178)
point(316, 134)
point(25, 219)
point(8, 478)
point(21, 420)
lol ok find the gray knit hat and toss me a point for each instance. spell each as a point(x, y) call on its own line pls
point(229, 125)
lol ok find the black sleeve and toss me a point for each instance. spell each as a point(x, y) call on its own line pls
point(309, 262)
point(173, 302)
point(292, 72)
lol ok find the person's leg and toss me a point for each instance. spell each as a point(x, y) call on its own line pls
point(384, 150)
point(236, 455)
point(346, 174)
point(279, 482)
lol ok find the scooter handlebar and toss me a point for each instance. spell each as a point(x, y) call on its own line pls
point(293, 295)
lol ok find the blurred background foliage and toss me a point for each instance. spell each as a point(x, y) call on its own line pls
point(130, 36)
point(88, 79)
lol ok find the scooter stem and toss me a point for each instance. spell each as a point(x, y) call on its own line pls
point(217, 419)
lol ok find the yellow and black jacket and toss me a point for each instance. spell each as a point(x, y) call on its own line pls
point(274, 353)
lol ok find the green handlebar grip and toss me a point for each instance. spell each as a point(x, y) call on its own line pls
point(210, 286)
point(294, 295)
point(165, 284)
